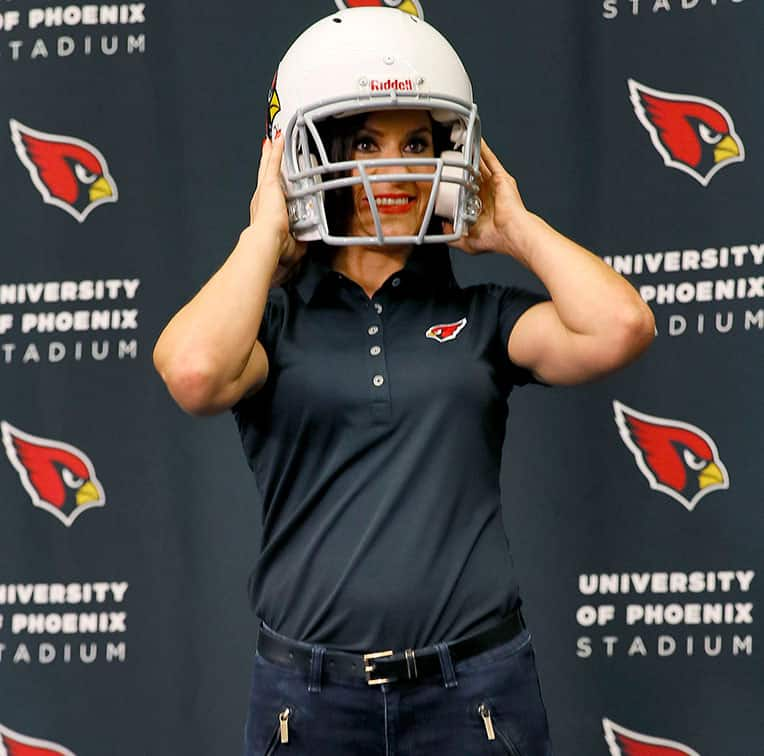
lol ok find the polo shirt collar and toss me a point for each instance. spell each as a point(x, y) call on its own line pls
point(429, 264)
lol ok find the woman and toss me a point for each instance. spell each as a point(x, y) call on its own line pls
point(370, 393)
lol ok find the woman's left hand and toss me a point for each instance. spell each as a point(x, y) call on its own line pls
point(498, 228)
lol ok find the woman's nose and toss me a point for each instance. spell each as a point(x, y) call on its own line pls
point(392, 153)
point(378, 169)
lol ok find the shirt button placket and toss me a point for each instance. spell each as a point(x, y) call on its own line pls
point(380, 393)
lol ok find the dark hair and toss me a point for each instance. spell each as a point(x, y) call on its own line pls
point(338, 136)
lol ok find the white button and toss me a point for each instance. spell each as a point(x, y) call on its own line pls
point(375, 350)
point(396, 282)
point(373, 330)
point(378, 308)
point(378, 380)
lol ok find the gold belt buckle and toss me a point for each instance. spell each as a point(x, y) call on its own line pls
point(371, 667)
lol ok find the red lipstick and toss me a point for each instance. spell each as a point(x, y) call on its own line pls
point(393, 203)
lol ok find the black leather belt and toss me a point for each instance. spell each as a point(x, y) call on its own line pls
point(379, 667)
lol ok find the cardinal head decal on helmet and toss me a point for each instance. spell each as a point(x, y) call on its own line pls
point(693, 134)
point(677, 458)
point(623, 742)
point(407, 6)
point(365, 59)
point(69, 173)
point(273, 108)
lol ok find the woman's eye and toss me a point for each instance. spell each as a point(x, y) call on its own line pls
point(364, 144)
point(417, 145)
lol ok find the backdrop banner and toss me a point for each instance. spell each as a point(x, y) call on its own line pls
point(129, 142)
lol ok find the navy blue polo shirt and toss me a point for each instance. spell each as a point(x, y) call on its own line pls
point(376, 445)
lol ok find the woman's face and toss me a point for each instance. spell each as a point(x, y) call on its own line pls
point(401, 204)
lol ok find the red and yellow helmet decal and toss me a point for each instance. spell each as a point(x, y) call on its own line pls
point(413, 7)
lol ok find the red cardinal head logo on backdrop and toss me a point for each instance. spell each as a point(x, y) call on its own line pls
point(407, 6)
point(625, 742)
point(58, 477)
point(677, 458)
point(14, 744)
point(693, 134)
point(68, 172)
point(445, 331)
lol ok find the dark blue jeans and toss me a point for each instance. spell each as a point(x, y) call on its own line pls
point(488, 704)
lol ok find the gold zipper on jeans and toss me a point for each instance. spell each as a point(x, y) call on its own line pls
point(284, 724)
point(486, 714)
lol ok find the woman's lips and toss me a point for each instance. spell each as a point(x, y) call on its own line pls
point(393, 204)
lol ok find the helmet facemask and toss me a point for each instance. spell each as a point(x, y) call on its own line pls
point(318, 179)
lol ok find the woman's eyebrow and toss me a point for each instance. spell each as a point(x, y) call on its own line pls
point(377, 133)
point(421, 130)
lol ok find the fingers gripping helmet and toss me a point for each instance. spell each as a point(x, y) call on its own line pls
point(367, 59)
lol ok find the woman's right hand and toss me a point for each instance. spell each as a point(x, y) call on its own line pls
point(268, 209)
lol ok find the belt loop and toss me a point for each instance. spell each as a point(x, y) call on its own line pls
point(316, 664)
point(446, 665)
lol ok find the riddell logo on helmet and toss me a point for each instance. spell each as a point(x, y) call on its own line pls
point(405, 85)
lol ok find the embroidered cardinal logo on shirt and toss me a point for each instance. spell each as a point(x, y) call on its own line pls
point(446, 331)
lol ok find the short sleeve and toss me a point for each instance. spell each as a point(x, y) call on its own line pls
point(271, 327)
point(512, 303)
point(272, 322)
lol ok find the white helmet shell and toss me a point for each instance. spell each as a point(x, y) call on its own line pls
point(366, 59)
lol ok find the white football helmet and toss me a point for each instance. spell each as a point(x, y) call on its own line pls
point(360, 60)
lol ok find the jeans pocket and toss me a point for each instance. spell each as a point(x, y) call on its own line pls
point(493, 729)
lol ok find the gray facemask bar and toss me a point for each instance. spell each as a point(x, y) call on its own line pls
point(306, 212)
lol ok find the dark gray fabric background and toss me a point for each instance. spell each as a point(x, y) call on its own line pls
point(180, 125)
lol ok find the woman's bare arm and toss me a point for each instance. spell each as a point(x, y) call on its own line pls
point(596, 321)
point(208, 354)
